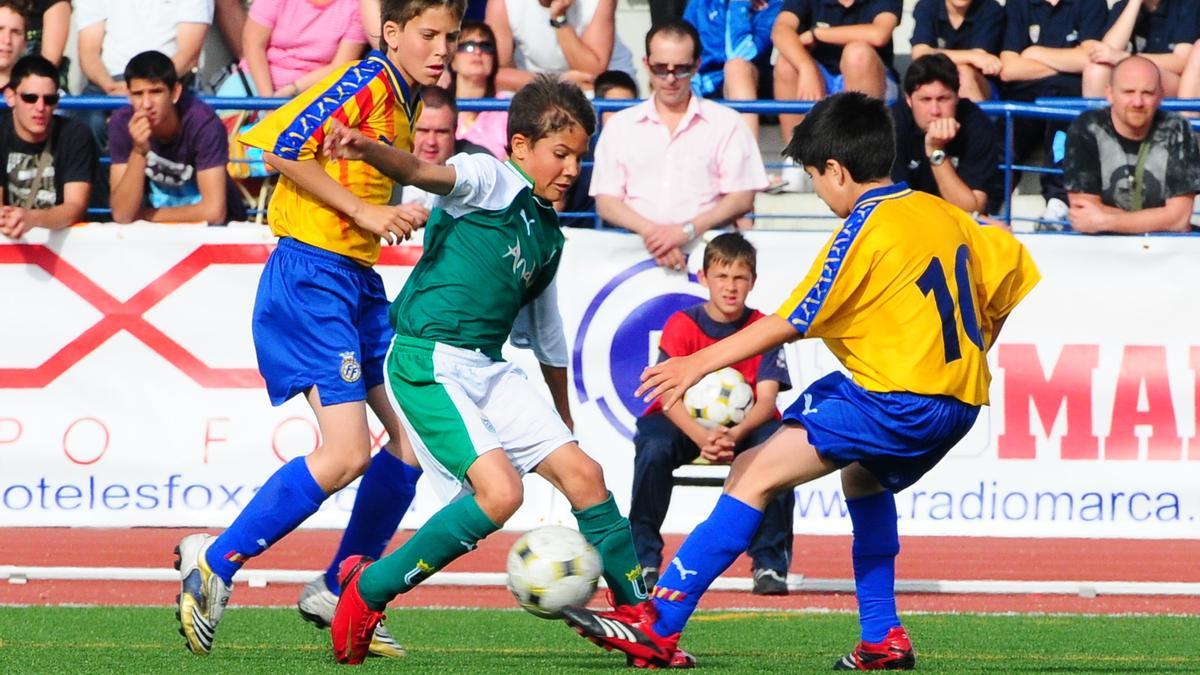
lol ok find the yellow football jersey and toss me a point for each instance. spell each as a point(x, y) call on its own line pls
point(907, 293)
point(369, 95)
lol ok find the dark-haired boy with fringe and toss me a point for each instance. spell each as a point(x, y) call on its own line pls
point(909, 294)
point(492, 246)
point(320, 317)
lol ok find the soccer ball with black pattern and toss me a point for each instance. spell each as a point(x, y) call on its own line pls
point(550, 568)
point(719, 399)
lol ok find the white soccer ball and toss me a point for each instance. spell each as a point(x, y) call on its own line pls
point(719, 399)
point(550, 568)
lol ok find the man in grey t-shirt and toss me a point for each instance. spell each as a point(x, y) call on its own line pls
point(1131, 168)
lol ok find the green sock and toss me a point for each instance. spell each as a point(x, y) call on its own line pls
point(608, 531)
point(447, 535)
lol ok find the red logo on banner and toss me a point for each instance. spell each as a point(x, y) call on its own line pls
point(129, 315)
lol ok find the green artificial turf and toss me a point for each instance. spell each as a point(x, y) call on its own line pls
point(144, 640)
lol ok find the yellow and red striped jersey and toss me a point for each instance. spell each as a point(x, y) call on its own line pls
point(908, 292)
point(369, 95)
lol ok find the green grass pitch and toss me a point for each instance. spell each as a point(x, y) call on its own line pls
point(144, 640)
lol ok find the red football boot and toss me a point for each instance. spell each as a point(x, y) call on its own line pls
point(629, 629)
point(894, 653)
point(354, 622)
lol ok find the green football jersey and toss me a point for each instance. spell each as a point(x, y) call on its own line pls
point(491, 246)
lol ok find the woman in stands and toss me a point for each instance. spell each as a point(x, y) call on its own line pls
point(290, 45)
point(475, 66)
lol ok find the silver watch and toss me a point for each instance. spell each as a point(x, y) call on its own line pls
point(937, 157)
point(689, 231)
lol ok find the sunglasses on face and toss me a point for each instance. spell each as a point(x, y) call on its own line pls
point(472, 46)
point(680, 71)
point(30, 98)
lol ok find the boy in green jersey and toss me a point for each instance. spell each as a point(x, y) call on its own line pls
point(492, 246)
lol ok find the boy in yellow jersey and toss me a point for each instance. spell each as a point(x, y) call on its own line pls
point(320, 316)
point(909, 294)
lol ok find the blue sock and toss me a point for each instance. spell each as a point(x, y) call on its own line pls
point(287, 498)
point(708, 551)
point(876, 545)
point(386, 490)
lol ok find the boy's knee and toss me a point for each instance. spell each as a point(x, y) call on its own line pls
point(501, 498)
point(740, 70)
point(587, 483)
point(859, 57)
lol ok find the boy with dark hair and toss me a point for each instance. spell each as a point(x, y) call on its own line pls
point(615, 82)
point(169, 151)
point(970, 33)
point(669, 438)
point(320, 317)
point(945, 145)
point(492, 246)
point(13, 18)
point(909, 294)
point(49, 161)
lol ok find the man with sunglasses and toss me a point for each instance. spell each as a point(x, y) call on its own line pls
point(675, 166)
point(49, 161)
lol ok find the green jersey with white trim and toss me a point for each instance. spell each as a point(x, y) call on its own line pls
point(491, 246)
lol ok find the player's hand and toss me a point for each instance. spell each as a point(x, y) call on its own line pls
point(1088, 217)
point(673, 260)
point(392, 223)
point(668, 380)
point(414, 213)
point(939, 134)
point(139, 132)
point(660, 240)
point(342, 142)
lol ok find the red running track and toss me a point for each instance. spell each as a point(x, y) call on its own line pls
point(948, 558)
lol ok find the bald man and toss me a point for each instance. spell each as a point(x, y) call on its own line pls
point(1131, 168)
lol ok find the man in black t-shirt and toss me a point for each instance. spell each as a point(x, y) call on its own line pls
point(1131, 168)
point(49, 162)
point(945, 145)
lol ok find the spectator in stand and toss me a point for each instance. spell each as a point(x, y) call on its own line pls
point(1132, 168)
point(735, 41)
point(434, 142)
point(47, 29)
point(290, 45)
point(611, 84)
point(111, 32)
point(575, 39)
point(830, 46)
point(945, 145)
point(970, 32)
point(676, 165)
point(1046, 48)
point(50, 161)
point(12, 35)
point(1189, 81)
point(1160, 30)
point(668, 439)
point(475, 66)
point(230, 16)
point(169, 151)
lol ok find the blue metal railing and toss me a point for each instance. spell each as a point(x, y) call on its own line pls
point(1061, 109)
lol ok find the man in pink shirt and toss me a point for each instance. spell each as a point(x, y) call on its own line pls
point(676, 165)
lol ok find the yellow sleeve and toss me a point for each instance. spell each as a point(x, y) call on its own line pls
point(813, 306)
point(295, 130)
point(1006, 271)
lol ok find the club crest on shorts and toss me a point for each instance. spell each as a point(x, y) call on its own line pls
point(351, 370)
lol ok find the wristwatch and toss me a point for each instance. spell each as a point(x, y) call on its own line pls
point(558, 21)
point(689, 231)
point(937, 157)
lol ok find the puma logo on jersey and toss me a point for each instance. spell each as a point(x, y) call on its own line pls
point(808, 406)
point(520, 267)
point(528, 223)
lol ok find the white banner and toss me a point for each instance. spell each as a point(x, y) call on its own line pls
point(129, 394)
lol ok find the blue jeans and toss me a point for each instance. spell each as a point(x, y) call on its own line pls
point(660, 448)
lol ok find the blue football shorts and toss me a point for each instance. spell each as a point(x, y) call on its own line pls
point(835, 84)
point(320, 319)
point(897, 436)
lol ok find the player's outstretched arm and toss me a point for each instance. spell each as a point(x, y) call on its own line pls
point(403, 167)
point(671, 378)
